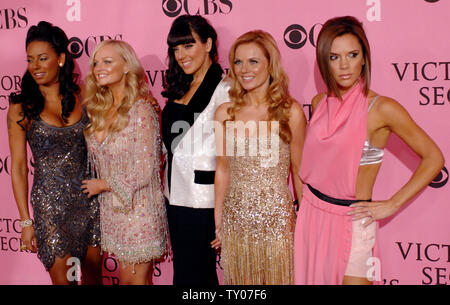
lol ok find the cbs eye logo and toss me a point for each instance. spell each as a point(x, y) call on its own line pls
point(441, 179)
point(296, 36)
point(5, 165)
point(77, 47)
point(431, 1)
point(172, 8)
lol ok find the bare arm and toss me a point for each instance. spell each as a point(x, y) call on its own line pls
point(222, 177)
point(297, 124)
point(432, 159)
point(19, 170)
point(397, 119)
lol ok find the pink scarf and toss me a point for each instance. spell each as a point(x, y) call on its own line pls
point(334, 141)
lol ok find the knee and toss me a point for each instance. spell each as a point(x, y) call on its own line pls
point(132, 280)
point(92, 263)
point(59, 276)
point(93, 260)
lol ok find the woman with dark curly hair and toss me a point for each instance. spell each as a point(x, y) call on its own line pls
point(194, 88)
point(48, 114)
point(261, 140)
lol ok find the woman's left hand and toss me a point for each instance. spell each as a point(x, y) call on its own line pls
point(373, 211)
point(93, 187)
point(217, 242)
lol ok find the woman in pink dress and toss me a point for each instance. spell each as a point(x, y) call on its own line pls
point(336, 224)
point(124, 149)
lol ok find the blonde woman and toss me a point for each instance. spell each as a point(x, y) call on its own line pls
point(124, 150)
point(254, 212)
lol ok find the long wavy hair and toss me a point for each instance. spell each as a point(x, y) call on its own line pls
point(332, 29)
point(278, 97)
point(176, 83)
point(30, 97)
point(99, 99)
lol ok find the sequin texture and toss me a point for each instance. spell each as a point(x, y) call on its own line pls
point(66, 221)
point(258, 218)
point(133, 215)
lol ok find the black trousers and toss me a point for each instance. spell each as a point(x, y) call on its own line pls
point(191, 234)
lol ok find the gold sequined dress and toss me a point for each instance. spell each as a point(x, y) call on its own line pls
point(258, 216)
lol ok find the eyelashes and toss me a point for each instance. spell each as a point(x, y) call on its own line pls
point(251, 61)
point(95, 63)
point(185, 46)
point(43, 58)
point(350, 55)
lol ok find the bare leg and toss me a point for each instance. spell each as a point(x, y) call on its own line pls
point(351, 280)
point(140, 276)
point(58, 272)
point(150, 274)
point(91, 267)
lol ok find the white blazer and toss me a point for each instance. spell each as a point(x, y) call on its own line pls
point(195, 152)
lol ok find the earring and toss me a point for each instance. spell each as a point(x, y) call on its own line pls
point(61, 64)
point(126, 72)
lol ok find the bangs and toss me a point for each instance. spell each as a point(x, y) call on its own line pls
point(180, 34)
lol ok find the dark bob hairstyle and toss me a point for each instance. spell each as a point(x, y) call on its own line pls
point(176, 83)
point(333, 28)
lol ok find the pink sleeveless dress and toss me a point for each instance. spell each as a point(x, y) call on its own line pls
point(332, 151)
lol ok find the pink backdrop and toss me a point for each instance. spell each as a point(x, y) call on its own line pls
point(410, 49)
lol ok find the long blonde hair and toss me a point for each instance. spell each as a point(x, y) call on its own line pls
point(278, 96)
point(99, 99)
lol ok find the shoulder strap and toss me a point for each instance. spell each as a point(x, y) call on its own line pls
point(373, 102)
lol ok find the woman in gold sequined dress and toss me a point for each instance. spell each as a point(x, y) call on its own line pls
point(262, 136)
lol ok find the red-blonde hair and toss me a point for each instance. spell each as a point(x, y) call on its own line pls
point(278, 97)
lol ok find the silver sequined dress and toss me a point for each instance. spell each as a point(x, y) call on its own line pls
point(258, 215)
point(66, 221)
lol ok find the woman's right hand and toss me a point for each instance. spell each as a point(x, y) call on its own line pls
point(29, 239)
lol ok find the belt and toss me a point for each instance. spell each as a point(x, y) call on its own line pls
point(343, 202)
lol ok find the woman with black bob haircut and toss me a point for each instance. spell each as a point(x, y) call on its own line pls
point(49, 115)
point(194, 88)
point(177, 82)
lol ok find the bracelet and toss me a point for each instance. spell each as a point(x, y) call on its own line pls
point(26, 223)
